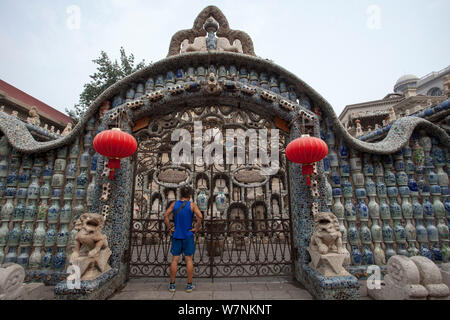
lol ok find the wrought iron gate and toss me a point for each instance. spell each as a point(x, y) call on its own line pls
point(251, 237)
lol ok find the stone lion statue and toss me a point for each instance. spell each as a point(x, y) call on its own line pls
point(91, 251)
point(327, 237)
point(326, 249)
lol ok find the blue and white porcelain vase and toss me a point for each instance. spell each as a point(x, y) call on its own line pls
point(60, 259)
point(26, 236)
point(50, 235)
point(66, 212)
point(14, 235)
point(379, 256)
point(82, 179)
point(23, 258)
point(30, 211)
point(221, 201)
point(43, 210)
point(47, 259)
point(356, 256)
point(7, 210)
point(4, 233)
point(68, 190)
point(202, 201)
point(33, 189)
point(39, 234)
point(35, 258)
point(11, 257)
point(412, 249)
point(54, 212)
point(63, 235)
point(19, 210)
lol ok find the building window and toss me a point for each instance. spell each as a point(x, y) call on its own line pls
point(435, 92)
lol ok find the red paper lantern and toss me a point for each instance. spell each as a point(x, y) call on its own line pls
point(115, 144)
point(307, 150)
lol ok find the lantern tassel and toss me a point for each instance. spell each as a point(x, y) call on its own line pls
point(113, 163)
point(308, 170)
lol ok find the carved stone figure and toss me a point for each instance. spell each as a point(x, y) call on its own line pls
point(326, 249)
point(415, 278)
point(91, 251)
point(392, 115)
point(67, 130)
point(11, 282)
point(194, 39)
point(327, 237)
point(198, 45)
point(224, 45)
point(33, 117)
point(213, 86)
point(359, 130)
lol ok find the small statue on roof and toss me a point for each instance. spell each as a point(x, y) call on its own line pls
point(34, 117)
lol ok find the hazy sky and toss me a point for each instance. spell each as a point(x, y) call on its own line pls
point(347, 50)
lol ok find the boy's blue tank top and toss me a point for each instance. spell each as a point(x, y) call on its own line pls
point(183, 220)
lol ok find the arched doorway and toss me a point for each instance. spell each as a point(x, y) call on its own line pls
point(246, 229)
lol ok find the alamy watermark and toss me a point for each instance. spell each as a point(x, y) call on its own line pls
point(374, 278)
point(73, 21)
point(233, 151)
point(73, 281)
point(373, 17)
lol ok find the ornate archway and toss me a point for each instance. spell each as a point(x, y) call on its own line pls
point(217, 67)
point(247, 234)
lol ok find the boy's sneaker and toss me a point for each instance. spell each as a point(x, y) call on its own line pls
point(171, 287)
point(190, 287)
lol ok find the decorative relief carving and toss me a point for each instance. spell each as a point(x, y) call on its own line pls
point(249, 176)
point(173, 176)
point(195, 39)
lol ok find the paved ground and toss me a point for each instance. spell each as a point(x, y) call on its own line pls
point(272, 288)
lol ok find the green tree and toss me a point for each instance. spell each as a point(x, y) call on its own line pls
point(108, 73)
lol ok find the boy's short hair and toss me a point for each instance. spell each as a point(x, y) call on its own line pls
point(185, 192)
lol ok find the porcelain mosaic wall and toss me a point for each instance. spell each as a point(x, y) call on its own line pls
point(390, 204)
point(41, 197)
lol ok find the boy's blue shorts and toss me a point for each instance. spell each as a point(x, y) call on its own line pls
point(185, 246)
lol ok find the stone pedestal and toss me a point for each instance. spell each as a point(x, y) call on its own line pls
point(329, 265)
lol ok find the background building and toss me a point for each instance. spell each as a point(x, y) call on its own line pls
point(13, 100)
point(411, 96)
